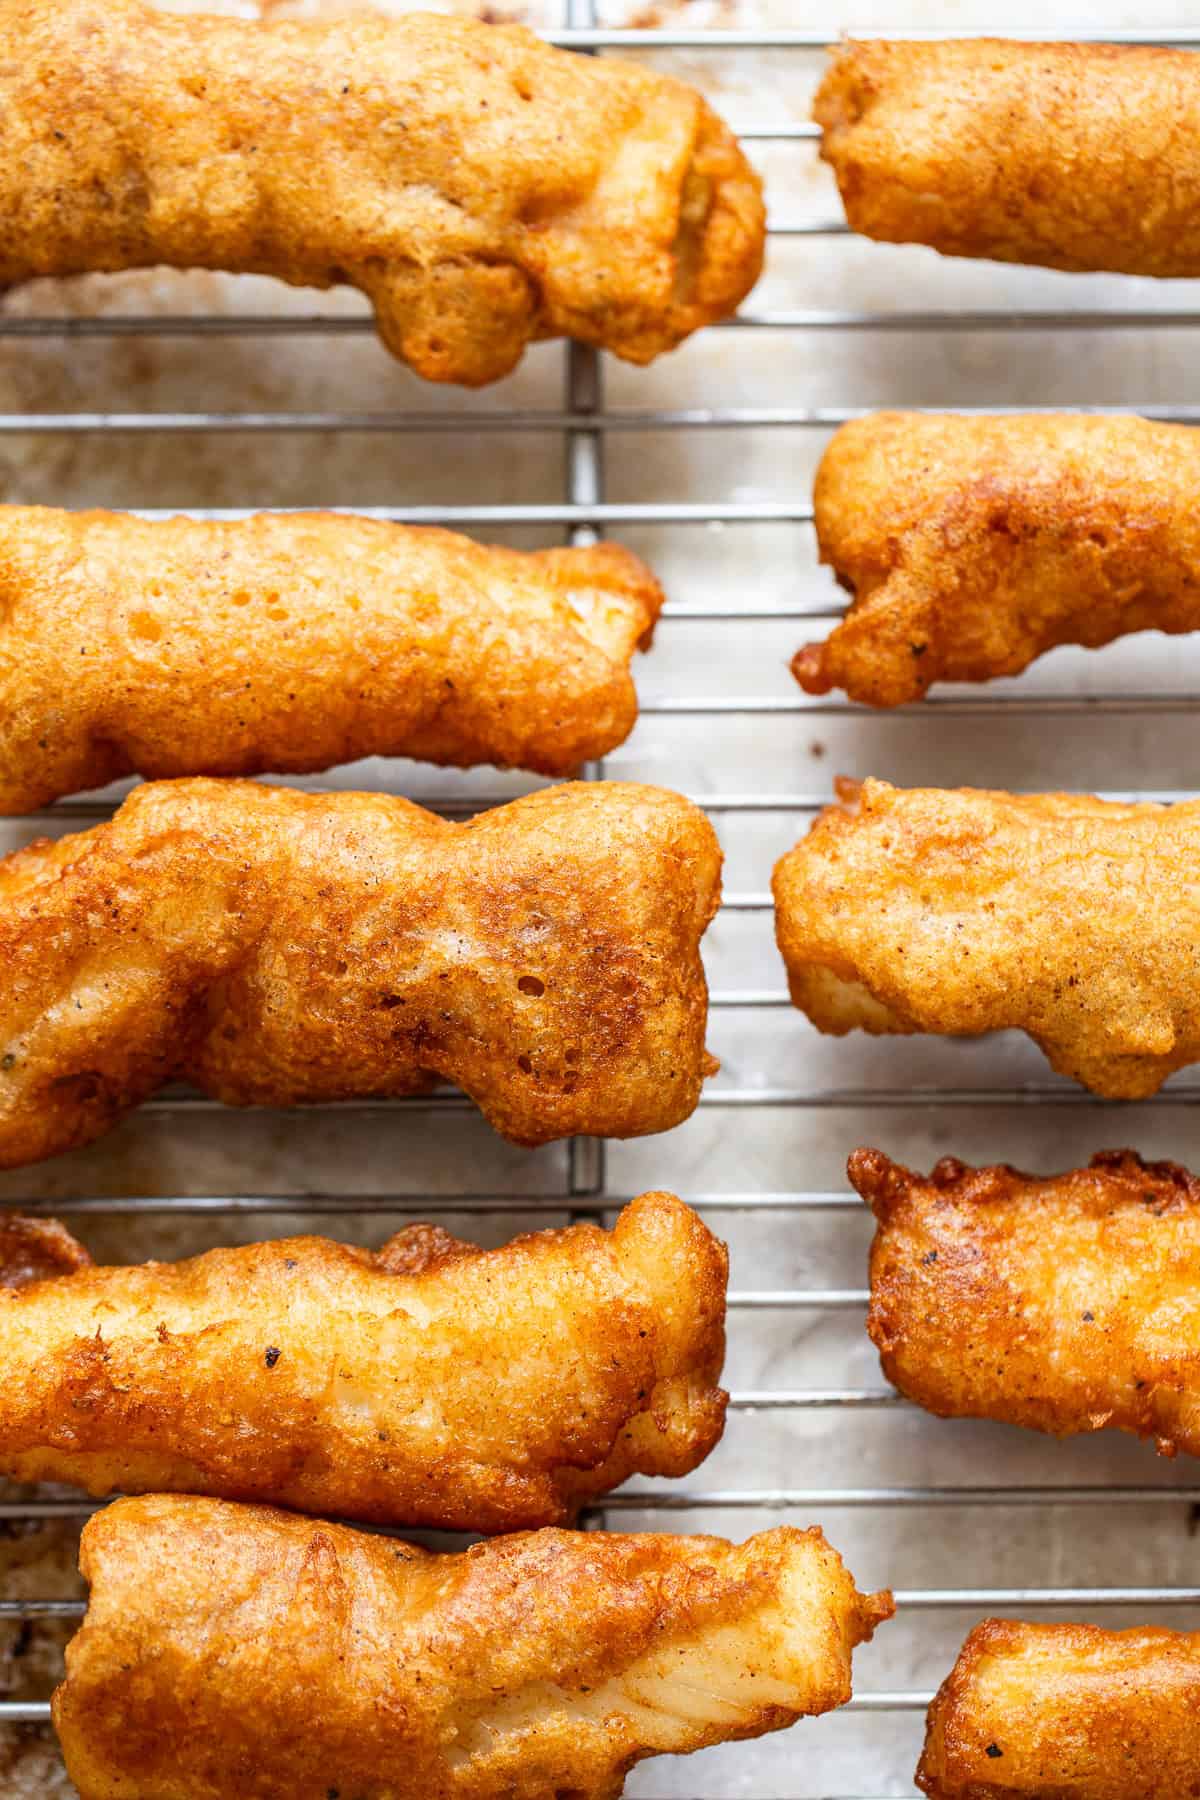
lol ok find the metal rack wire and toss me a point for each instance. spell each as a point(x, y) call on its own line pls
point(582, 512)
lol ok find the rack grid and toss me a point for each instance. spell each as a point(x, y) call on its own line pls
point(585, 425)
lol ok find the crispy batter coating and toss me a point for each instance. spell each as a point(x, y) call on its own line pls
point(1074, 156)
point(431, 1384)
point(482, 188)
point(1070, 1303)
point(972, 545)
point(276, 947)
point(1065, 1712)
point(233, 1651)
point(963, 911)
point(292, 641)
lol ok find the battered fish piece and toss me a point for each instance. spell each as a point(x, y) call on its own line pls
point(230, 1650)
point(292, 641)
point(1072, 156)
point(972, 545)
point(276, 947)
point(1064, 1712)
point(963, 911)
point(480, 187)
point(1070, 1303)
point(431, 1383)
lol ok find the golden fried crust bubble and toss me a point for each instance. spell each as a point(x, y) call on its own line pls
point(431, 1384)
point(1066, 1712)
point(223, 1639)
point(1072, 156)
point(1067, 1303)
point(276, 948)
point(972, 545)
point(293, 641)
point(961, 911)
point(481, 188)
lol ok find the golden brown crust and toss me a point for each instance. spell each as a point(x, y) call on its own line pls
point(433, 1384)
point(972, 545)
point(1074, 156)
point(292, 641)
point(36, 1250)
point(1069, 1303)
point(962, 911)
point(482, 188)
point(1066, 1712)
point(233, 1651)
point(277, 947)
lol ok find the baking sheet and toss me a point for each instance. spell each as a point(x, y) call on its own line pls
point(719, 1150)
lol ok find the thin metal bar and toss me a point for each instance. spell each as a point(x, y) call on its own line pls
point(972, 319)
point(164, 325)
point(37, 1712)
point(475, 423)
point(687, 609)
point(331, 1205)
point(812, 1399)
point(1031, 1094)
point(759, 998)
point(815, 1399)
point(673, 38)
point(913, 1599)
point(804, 132)
point(452, 805)
point(986, 1599)
point(815, 1499)
point(675, 1499)
point(82, 1508)
point(85, 811)
point(817, 802)
point(964, 706)
point(808, 228)
point(890, 1700)
point(560, 513)
point(798, 1300)
point(42, 1609)
point(584, 484)
point(418, 1205)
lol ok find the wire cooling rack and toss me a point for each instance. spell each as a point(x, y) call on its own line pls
point(587, 427)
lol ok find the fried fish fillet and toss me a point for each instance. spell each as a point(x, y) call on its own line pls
point(972, 545)
point(962, 911)
point(233, 1650)
point(1072, 156)
point(292, 641)
point(1069, 1304)
point(1064, 1712)
point(429, 1384)
point(276, 947)
point(482, 188)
